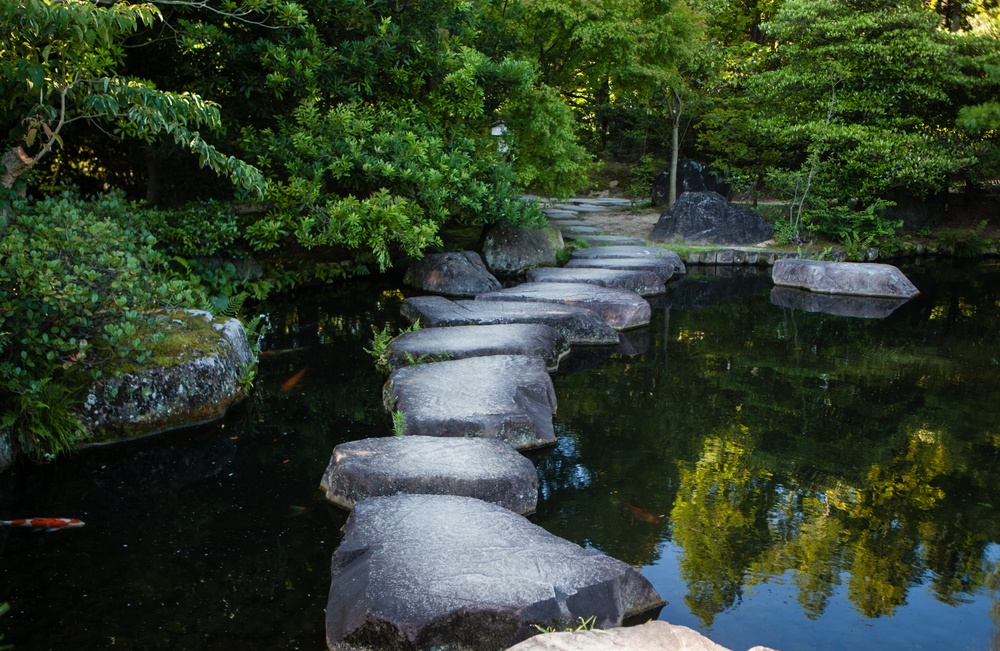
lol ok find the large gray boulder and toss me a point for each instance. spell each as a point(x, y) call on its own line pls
point(862, 307)
point(850, 278)
point(643, 283)
point(577, 325)
point(620, 308)
point(508, 250)
point(195, 386)
point(487, 469)
point(452, 274)
point(662, 267)
point(707, 218)
point(631, 253)
point(459, 342)
point(508, 397)
point(651, 636)
point(428, 571)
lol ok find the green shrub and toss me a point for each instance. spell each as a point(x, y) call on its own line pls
point(77, 291)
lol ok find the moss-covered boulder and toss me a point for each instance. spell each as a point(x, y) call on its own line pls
point(193, 377)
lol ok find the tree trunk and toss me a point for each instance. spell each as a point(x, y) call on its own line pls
point(676, 112)
point(15, 163)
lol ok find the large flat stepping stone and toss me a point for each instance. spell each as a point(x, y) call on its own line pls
point(487, 469)
point(662, 267)
point(433, 571)
point(851, 278)
point(641, 252)
point(578, 325)
point(459, 342)
point(507, 397)
point(620, 308)
point(610, 240)
point(651, 636)
point(564, 222)
point(644, 283)
point(862, 307)
point(582, 207)
point(554, 213)
point(452, 274)
point(571, 231)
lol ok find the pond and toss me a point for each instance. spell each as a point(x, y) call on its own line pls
point(787, 478)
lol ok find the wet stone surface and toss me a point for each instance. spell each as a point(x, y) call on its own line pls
point(644, 283)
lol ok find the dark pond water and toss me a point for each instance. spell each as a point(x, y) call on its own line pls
point(787, 478)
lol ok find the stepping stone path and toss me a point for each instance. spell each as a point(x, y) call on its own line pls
point(486, 469)
point(644, 283)
point(460, 342)
point(508, 397)
point(435, 553)
point(620, 308)
point(578, 325)
point(434, 571)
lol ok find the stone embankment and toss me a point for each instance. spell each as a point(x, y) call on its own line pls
point(436, 552)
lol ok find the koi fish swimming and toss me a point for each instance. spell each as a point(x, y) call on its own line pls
point(43, 524)
point(294, 381)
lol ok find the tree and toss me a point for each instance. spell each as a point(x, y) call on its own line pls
point(59, 64)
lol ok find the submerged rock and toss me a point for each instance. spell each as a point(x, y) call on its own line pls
point(195, 387)
point(508, 397)
point(486, 469)
point(428, 571)
point(576, 324)
point(707, 218)
point(508, 250)
point(851, 278)
point(460, 342)
point(643, 283)
point(621, 309)
point(452, 274)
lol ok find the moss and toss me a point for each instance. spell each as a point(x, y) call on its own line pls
point(186, 337)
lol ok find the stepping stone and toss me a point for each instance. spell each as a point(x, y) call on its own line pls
point(437, 571)
point(620, 308)
point(459, 342)
point(611, 240)
point(576, 232)
point(652, 636)
point(613, 202)
point(601, 252)
point(554, 213)
point(864, 307)
point(453, 274)
point(578, 325)
point(507, 397)
point(487, 469)
point(568, 223)
point(662, 267)
point(581, 207)
point(644, 283)
point(851, 278)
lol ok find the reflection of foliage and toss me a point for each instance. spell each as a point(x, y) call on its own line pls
point(720, 518)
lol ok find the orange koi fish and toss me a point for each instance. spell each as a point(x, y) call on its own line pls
point(43, 524)
point(643, 514)
point(294, 381)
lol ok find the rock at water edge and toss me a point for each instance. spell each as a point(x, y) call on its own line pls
point(508, 250)
point(508, 397)
point(487, 469)
point(707, 218)
point(452, 274)
point(651, 636)
point(850, 278)
point(424, 571)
